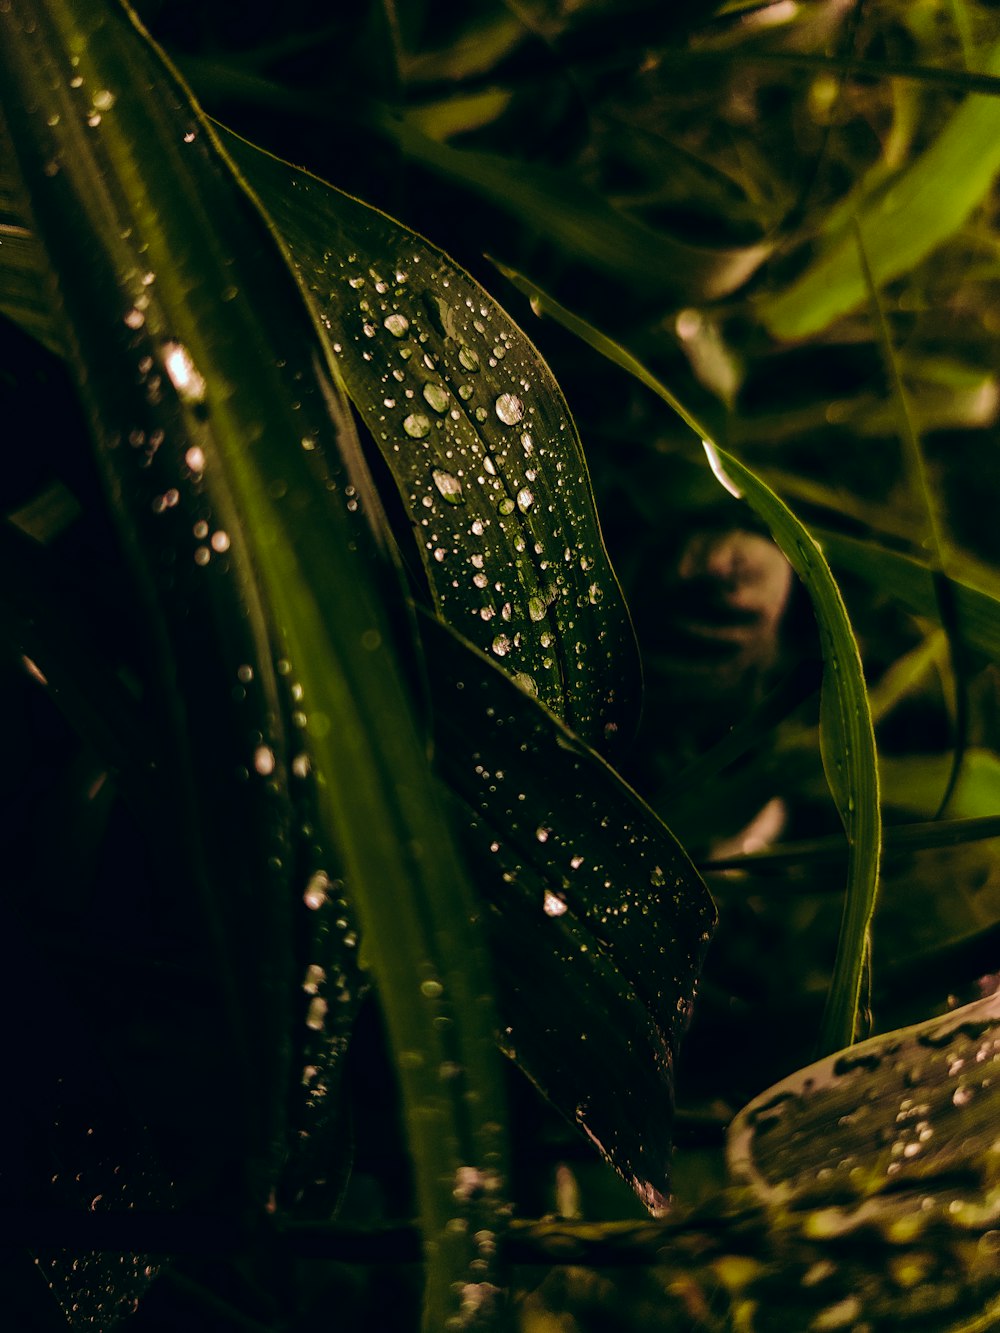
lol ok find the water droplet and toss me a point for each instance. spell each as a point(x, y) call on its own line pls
point(195, 459)
point(526, 683)
point(417, 425)
point(465, 392)
point(553, 905)
point(480, 580)
point(134, 318)
point(542, 834)
point(501, 645)
point(103, 100)
point(315, 894)
point(449, 487)
point(506, 505)
point(263, 760)
point(431, 989)
point(183, 373)
point(317, 1013)
point(396, 324)
point(525, 499)
point(509, 409)
point(575, 862)
point(596, 593)
point(657, 878)
point(468, 359)
point(437, 397)
point(537, 607)
point(220, 541)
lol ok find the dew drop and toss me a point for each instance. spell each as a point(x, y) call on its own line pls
point(656, 877)
point(525, 499)
point(468, 359)
point(183, 373)
point(542, 833)
point(506, 505)
point(449, 487)
point(553, 905)
point(417, 425)
point(537, 607)
point(526, 683)
point(501, 645)
point(396, 324)
point(437, 397)
point(509, 409)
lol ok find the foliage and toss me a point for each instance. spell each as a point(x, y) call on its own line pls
point(324, 695)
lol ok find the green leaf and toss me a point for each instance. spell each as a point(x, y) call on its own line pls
point(212, 403)
point(484, 451)
point(902, 223)
point(910, 582)
point(599, 921)
point(847, 742)
point(796, 1146)
point(878, 1163)
point(847, 739)
point(479, 441)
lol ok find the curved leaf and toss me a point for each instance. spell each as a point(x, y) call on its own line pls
point(479, 441)
point(599, 921)
point(231, 467)
point(902, 224)
point(847, 738)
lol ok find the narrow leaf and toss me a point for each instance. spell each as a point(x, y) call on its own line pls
point(599, 920)
point(190, 335)
point(902, 223)
point(848, 743)
point(479, 441)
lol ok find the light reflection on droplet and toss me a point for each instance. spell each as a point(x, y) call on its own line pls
point(509, 409)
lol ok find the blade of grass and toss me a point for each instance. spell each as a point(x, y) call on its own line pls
point(234, 370)
point(902, 224)
point(847, 741)
point(910, 582)
point(933, 537)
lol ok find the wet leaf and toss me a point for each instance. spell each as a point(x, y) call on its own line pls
point(847, 738)
point(885, 1150)
point(235, 479)
point(479, 441)
point(585, 885)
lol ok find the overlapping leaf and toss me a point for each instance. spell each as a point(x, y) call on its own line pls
point(479, 441)
point(234, 477)
point(586, 886)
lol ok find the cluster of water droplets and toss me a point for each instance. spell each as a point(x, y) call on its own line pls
point(487, 463)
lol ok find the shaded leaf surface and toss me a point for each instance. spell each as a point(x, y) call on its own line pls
point(264, 591)
point(585, 885)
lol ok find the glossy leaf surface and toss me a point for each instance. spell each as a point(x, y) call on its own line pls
point(479, 441)
point(599, 921)
point(234, 475)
